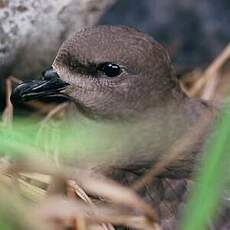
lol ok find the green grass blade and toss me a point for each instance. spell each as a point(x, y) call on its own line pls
point(208, 189)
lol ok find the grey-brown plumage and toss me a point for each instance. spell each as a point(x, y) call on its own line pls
point(146, 94)
point(145, 98)
point(122, 81)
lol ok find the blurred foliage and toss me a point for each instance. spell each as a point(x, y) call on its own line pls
point(33, 138)
point(212, 180)
point(14, 214)
point(70, 139)
point(83, 141)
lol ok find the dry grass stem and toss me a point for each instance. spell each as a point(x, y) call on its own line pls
point(211, 71)
point(122, 199)
point(7, 115)
point(90, 201)
point(176, 152)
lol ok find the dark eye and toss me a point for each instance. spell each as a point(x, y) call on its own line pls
point(110, 69)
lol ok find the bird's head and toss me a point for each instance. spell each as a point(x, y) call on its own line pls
point(109, 71)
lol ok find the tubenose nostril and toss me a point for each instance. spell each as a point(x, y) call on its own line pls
point(49, 74)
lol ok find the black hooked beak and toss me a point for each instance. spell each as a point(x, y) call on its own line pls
point(50, 86)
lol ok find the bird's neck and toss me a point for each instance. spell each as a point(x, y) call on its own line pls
point(140, 140)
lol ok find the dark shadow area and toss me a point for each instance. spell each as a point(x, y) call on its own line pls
point(194, 32)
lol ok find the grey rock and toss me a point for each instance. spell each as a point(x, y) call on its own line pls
point(31, 31)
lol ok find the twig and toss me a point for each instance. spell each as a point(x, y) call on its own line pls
point(54, 111)
point(210, 88)
point(15, 80)
point(7, 115)
point(211, 71)
point(81, 193)
point(175, 152)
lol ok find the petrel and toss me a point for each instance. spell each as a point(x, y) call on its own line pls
point(122, 82)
